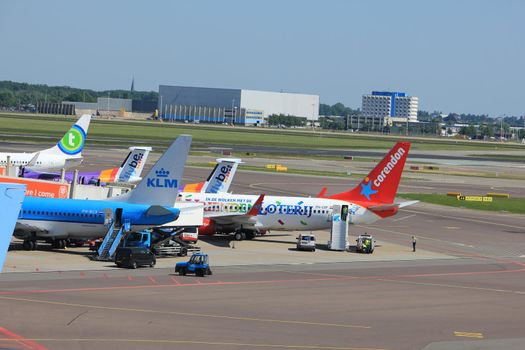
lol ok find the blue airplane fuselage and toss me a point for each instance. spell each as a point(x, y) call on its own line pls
point(75, 218)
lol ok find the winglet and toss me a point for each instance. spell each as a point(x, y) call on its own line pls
point(322, 193)
point(33, 160)
point(256, 208)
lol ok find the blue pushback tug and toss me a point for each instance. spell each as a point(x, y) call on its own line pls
point(198, 264)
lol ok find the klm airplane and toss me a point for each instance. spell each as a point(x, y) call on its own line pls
point(150, 204)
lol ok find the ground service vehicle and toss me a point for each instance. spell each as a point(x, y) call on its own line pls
point(306, 242)
point(365, 244)
point(198, 264)
point(134, 257)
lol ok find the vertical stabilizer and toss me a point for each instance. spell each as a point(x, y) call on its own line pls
point(131, 168)
point(222, 175)
point(72, 143)
point(380, 185)
point(160, 185)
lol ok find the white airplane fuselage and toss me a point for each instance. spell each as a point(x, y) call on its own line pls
point(279, 213)
point(43, 162)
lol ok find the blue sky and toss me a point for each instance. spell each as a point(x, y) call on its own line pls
point(462, 56)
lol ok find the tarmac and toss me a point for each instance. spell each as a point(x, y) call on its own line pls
point(463, 288)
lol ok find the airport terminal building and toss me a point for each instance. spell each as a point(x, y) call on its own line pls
point(232, 106)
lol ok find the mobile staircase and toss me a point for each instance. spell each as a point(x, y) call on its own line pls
point(111, 241)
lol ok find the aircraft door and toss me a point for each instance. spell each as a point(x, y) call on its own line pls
point(118, 217)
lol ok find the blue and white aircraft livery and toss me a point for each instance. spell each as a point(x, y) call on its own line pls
point(371, 200)
point(150, 204)
point(66, 153)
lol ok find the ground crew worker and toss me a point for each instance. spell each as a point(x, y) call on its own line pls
point(413, 243)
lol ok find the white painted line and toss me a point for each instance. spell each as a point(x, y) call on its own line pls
point(404, 217)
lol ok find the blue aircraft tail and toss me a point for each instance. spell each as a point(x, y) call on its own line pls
point(161, 185)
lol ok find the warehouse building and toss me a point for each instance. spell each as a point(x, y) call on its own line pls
point(232, 106)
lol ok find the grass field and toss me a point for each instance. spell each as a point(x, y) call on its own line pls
point(511, 205)
point(156, 133)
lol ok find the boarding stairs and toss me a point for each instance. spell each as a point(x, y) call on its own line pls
point(107, 249)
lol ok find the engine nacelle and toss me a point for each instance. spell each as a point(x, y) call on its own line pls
point(207, 228)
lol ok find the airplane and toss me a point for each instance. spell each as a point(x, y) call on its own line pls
point(11, 198)
point(219, 180)
point(371, 200)
point(66, 153)
point(129, 171)
point(150, 204)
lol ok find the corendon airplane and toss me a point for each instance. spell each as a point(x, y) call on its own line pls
point(129, 171)
point(371, 200)
point(66, 153)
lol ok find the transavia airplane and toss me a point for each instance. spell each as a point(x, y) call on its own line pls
point(219, 180)
point(66, 153)
point(371, 200)
point(129, 171)
point(149, 205)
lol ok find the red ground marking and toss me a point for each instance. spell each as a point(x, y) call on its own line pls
point(152, 280)
point(130, 278)
point(25, 343)
point(226, 283)
point(175, 281)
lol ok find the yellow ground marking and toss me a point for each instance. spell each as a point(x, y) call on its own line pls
point(469, 335)
point(189, 314)
point(196, 342)
point(508, 291)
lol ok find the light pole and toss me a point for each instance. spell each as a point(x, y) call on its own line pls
point(231, 112)
point(313, 116)
point(160, 109)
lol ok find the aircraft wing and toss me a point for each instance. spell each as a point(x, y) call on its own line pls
point(248, 218)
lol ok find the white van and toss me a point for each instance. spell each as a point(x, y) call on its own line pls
point(306, 242)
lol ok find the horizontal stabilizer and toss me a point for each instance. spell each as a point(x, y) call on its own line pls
point(406, 204)
point(157, 210)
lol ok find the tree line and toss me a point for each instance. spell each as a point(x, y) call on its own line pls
point(13, 94)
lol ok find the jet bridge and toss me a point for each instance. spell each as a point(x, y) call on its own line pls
point(339, 230)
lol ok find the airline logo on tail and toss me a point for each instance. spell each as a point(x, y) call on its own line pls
point(224, 172)
point(73, 141)
point(394, 159)
point(132, 166)
point(380, 185)
point(161, 180)
point(366, 186)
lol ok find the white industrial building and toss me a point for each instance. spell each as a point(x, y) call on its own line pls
point(239, 106)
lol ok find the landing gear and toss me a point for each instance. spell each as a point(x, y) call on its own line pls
point(30, 245)
point(59, 244)
point(239, 236)
point(244, 234)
